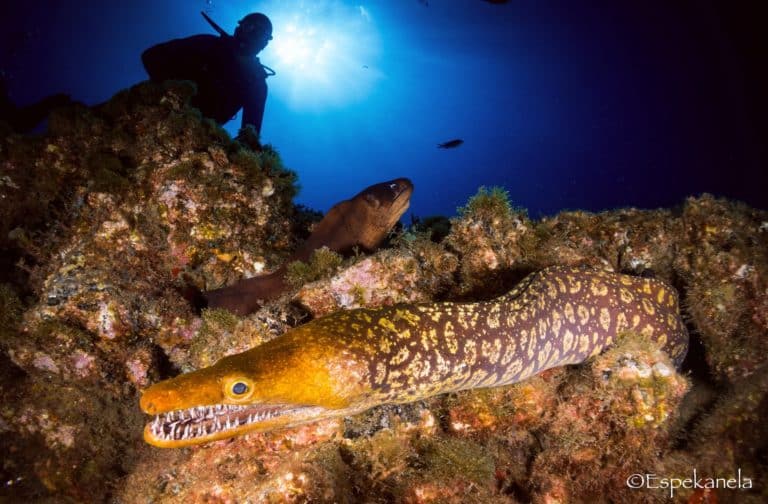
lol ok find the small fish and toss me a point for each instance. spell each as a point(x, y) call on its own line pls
point(450, 144)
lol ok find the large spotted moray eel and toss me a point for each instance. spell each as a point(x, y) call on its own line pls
point(350, 361)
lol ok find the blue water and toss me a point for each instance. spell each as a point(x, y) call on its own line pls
point(587, 105)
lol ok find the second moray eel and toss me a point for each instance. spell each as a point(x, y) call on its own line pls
point(361, 221)
point(350, 361)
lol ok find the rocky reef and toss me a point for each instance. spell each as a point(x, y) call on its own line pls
point(111, 219)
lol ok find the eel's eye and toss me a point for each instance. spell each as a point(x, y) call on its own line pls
point(239, 388)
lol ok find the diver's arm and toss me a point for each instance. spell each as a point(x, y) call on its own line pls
point(253, 106)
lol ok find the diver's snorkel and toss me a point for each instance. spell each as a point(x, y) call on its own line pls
point(223, 33)
point(215, 26)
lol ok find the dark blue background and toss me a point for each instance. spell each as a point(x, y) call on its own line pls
point(567, 104)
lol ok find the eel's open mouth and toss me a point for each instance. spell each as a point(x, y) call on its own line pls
point(207, 423)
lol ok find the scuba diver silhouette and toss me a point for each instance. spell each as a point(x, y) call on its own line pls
point(227, 73)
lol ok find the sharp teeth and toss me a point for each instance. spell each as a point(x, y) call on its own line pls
point(205, 420)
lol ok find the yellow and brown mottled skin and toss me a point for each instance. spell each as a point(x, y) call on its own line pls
point(353, 360)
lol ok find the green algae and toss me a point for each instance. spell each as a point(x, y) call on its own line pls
point(455, 458)
point(488, 203)
point(214, 338)
point(264, 163)
point(186, 170)
point(323, 263)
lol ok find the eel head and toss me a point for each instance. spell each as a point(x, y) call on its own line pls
point(290, 380)
point(377, 208)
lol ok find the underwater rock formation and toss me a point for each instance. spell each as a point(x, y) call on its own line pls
point(627, 239)
point(391, 277)
point(303, 464)
point(183, 199)
point(105, 213)
point(489, 237)
point(111, 213)
point(722, 260)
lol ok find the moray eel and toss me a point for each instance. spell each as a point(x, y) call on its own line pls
point(349, 361)
point(362, 221)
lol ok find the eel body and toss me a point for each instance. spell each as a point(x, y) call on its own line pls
point(350, 361)
point(362, 221)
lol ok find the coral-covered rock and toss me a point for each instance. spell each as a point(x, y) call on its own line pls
point(295, 465)
point(173, 196)
point(723, 259)
point(386, 278)
point(609, 424)
point(727, 442)
point(450, 470)
point(219, 333)
point(488, 238)
point(64, 439)
point(105, 213)
point(113, 213)
point(628, 240)
point(505, 409)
